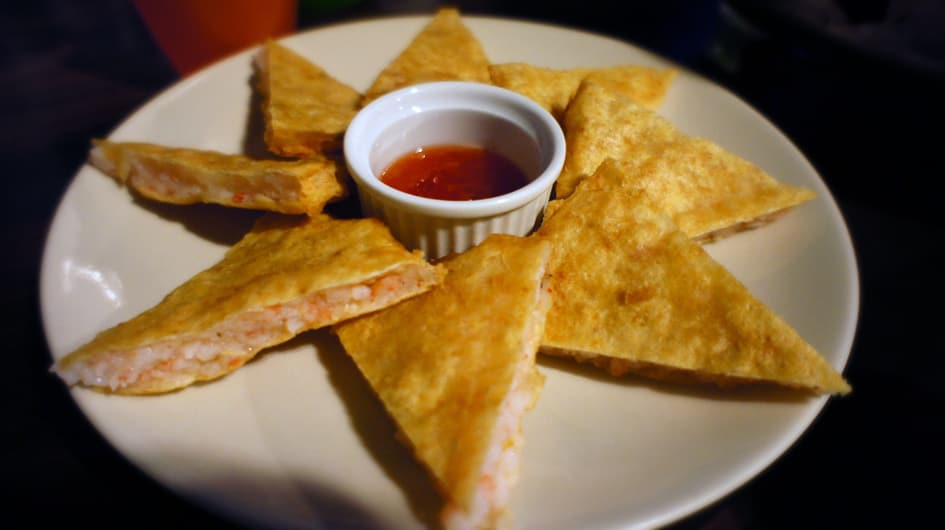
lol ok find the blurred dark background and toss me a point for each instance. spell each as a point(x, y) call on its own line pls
point(856, 85)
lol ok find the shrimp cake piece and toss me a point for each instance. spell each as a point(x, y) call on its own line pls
point(632, 293)
point(553, 88)
point(305, 109)
point(708, 191)
point(180, 175)
point(289, 274)
point(444, 50)
point(455, 369)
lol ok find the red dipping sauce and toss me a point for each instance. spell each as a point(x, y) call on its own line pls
point(454, 173)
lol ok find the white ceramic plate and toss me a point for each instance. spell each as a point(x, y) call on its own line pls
point(296, 437)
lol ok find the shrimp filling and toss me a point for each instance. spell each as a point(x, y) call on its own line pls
point(159, 181)
point(234, 341)
point(500, 467)
point(168, 182)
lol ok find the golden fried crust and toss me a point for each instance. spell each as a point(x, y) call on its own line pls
point(630, 290)
point(704, 188)
point(282, 259)
point(306, 110)
point(554, 88)
point(444, 50)
point(601, 123)
point(188, 176)
point(443, 362)
point(707, 191)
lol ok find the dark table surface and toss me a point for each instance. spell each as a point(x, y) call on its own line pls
point(857, 86)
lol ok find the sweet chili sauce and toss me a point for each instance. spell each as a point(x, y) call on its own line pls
point(454, 173)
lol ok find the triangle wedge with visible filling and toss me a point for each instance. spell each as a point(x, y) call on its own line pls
point(633, 293)
point(289, 274)
point(455, 369)
point(180, 175)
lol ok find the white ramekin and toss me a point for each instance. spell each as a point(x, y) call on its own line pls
point(453, 112)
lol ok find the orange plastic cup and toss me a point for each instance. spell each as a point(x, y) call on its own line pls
point(195, 33)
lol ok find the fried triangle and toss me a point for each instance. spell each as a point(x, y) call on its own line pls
point(554, 88)
point(305, 109)
point(455, 369)
point(633, 293)
point(289, 274)
point(708, 191)
point(444, 50)
point(180, 175)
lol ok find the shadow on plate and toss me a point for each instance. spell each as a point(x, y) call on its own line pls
point(254, 142)
point(254, 498)
point(257, 499)
point(377, 430)
point(216, 224)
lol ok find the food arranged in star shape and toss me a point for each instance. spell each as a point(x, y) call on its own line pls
point(615, 276)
